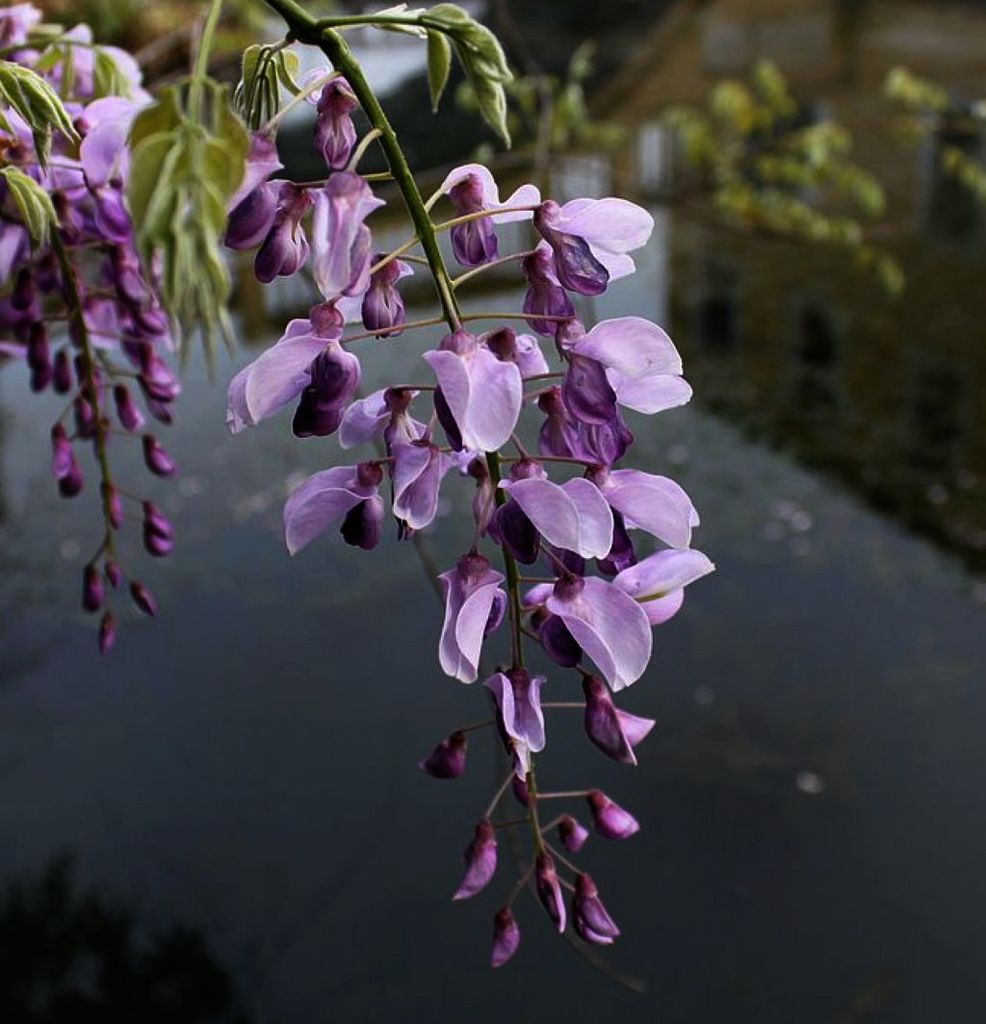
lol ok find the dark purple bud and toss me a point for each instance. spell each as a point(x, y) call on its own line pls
point(107, 633)
point(609, 819)
point(92, 589)
point(559, 434)
point(39, 357)
point(558, 643)
point(85, 418)
point(621, 555)
point(363, 522)
point(113, 573)
point(285, 249)
point(607, 443)
point(61, 372)
point(544, 296)
point(572, 833)
point(549, 890)
point(474, 242)
point(447, 420)
point(589, 917)
point(506, 937)
point(110, 215)
point(143, 598)
point(497, 610)
point(156, 378)
point(335, 133)
point(572, 562)
point(127, 278)
point(127, 413)
point(335, 376)
point(480, 858)
point(520, 791)
point(576, 268)
point(158, 461)
point(448, 759)
point(156, 545)
point(64, 468)
point(602, 723)
point(383, 307)
point(22, 297)
point(253, 217)
point(158, 532)
point(112, 505)
point(511, 528)
point(586, 392)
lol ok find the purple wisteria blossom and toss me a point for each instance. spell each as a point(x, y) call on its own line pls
point(471, 601)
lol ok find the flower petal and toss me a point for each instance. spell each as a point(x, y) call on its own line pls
point(652, 503)
point(574, 515)
point(318, 502)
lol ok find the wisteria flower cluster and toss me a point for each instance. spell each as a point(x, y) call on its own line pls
point(573, 551)
point(79, 310)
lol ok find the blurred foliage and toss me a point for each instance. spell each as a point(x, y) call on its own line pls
point(550, 111)
point(955, 126)
point(68, 957)
point(768, 168)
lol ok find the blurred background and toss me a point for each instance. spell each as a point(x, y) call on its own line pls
point(223, 821)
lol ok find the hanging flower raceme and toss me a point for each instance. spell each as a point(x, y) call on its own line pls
point(607, 546)
point(78, 307)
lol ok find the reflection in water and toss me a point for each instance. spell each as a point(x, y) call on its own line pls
point(73, 957)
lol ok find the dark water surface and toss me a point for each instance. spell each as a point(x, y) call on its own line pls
point(811, 801)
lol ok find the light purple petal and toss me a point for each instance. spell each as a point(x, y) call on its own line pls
point(630, 345)
point(612, 225)
point(417, 475)
point(364, 420)
point(104, 152)
point(610, 627)
point(651, 393)
point(574, 515)
point(652, 503)
point(318, 502)
point(657, 581)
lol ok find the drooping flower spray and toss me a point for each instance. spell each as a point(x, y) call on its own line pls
point(571, 514)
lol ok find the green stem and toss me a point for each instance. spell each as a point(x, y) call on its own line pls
point(201, 71)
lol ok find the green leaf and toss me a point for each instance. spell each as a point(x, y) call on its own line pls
point(32, 202)
point(439, 65)
point(38, 105)
point(163, 116)
point(108, 79)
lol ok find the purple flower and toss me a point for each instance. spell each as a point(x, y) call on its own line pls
point(586, 392)
point(341, 242)
point(16, 22)
point(281, 373)
point(652, 503)
point(253, 217)
point(609, 819)
point(335, 133)
point(381, 414)
point(483, 394)
point(383, 307)
point(480, 858)
point(519, 715)
point(61, 372)
point(614, 732)
point(641, 364)
point(506, 937)
point(559, 434)
point(261, 162)
point(285, 249)
point(572, 833)
point(130, 417)
point(327, 498)
point(417, 473)
point(607, 624)
point(335, 376)
point(573, 515)
point(112, 504)
point(589, 917)
point(448, 759)
point(158, 461)
point(590, 239)
point(549, 890)
point(470, 592)
point(471, 189)
point(657, 583)
point(545, 295)
point(522, 349)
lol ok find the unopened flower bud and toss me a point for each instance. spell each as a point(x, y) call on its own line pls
point(112, 505)
point(127, 413)
point(549, 890)
point(92, 589)
point(448, 759)
point(520, 791)
point(506, 937)
point(610, 820)
point(614, 732)
point(480, 858)
point(589, 917)
point(61, 372)
point(85, 418)
point(158, 461)
point(113, 573)
point(572, 833)
point(107, 633)
point(143, 598)
point(363, 522)
point(64, 468)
